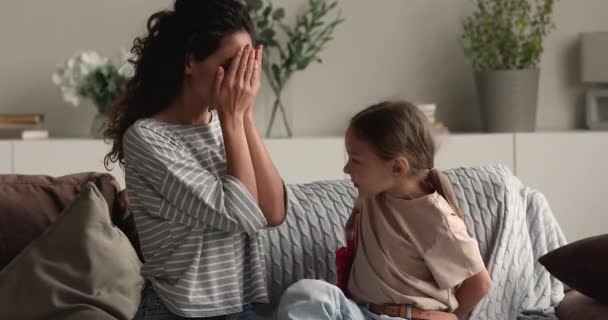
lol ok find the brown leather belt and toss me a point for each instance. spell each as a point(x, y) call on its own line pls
point(401, 311)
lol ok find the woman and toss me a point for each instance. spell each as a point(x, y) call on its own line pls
point(200, 182)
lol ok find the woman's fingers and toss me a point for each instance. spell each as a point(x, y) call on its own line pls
point(234, 66)
point(217, 87)
point(242, 68)
point(250, 68)
point(257, 68)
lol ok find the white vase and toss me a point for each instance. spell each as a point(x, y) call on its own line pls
point(282, 125)
point(98, 125)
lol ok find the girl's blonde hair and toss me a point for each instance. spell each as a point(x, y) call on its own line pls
point(399, 128)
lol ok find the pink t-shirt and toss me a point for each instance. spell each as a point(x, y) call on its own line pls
point(411, 252)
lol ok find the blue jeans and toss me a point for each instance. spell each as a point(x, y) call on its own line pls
point(319, 300)
point(152, 308)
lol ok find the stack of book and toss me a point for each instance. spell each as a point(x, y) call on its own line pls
point(22, 127)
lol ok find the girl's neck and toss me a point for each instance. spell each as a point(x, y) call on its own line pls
point(410, 188)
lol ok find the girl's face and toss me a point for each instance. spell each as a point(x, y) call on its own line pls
point(370, 174)
point(200, 75)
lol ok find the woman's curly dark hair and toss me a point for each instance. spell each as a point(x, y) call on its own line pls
point(193, 28)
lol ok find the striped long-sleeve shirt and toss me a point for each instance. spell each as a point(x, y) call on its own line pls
point(198, 226)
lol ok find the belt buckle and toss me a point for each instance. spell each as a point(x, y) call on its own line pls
point(405, 310)
point(408, 312)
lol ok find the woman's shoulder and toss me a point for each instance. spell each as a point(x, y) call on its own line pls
point(182, 134)
point(149, 132)
point(146, 126)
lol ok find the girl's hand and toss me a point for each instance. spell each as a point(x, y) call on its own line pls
point(237, 88)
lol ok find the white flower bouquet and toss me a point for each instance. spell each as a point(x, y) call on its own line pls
point(88, 75)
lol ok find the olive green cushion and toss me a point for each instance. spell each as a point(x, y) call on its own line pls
point(82, 267)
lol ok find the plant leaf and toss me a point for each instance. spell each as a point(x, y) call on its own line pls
point(278, 14)
point(267, 34)
point(267, 12)
point(255, 4)
point(262, 24)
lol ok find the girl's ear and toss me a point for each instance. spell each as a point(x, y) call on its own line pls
point(401, 167)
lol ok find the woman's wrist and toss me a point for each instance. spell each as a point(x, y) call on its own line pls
point(230, 120)
point(248, 116)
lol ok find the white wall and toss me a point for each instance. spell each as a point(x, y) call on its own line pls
point(38, 35)
point(386, 49)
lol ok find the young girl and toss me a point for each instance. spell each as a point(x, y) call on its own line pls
point(414, 258)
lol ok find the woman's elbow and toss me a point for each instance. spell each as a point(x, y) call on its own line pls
point(276, 218)
point(275, 213)
point(274, 209)
point(274, 223)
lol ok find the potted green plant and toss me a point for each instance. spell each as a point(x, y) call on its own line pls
point(301, 44)
point(503, 40)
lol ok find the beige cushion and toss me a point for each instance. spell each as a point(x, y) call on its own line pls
point(82, 267)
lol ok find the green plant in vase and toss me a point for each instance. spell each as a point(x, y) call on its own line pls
point(503, 41)
point(303, 44)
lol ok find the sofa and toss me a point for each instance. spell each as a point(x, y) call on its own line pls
point(303, 247)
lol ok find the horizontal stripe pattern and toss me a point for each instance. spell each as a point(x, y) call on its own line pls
point(197, 225)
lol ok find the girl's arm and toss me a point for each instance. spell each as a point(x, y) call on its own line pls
point(471, 292)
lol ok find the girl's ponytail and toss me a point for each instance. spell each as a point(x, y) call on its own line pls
point(439, 181)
